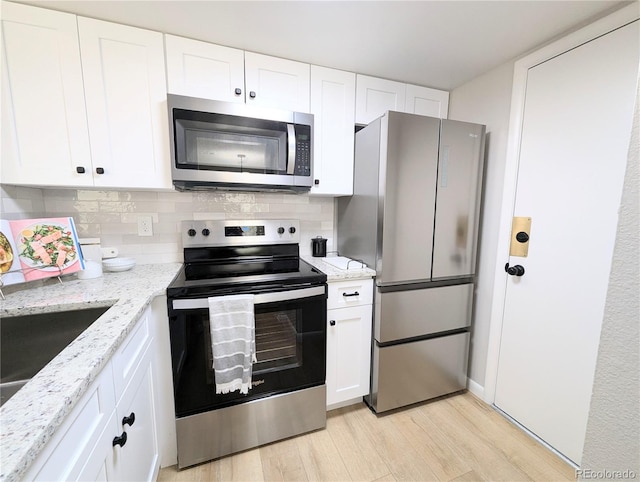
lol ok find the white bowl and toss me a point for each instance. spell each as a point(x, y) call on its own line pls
point(118, 264)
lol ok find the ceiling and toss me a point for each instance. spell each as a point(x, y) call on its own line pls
point(440, 44)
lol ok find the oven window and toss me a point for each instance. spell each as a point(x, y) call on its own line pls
point(277, 342)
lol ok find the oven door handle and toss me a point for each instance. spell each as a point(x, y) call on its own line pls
point(261, 298)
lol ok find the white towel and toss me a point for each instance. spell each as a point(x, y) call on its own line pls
point(233, 342)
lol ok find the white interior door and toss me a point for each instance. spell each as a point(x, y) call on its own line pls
point(575, 136)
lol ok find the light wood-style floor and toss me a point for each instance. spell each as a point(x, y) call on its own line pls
point(459, 438)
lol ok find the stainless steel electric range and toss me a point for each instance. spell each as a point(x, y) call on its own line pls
point(287, 395)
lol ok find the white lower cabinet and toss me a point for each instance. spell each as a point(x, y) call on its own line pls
point(349, 318)
point(112, 432)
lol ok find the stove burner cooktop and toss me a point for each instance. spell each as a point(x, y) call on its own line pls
point(224, 257)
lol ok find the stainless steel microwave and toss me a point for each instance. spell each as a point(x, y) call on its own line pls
point(223, 145)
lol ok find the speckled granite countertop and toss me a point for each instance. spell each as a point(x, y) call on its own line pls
point(31, 416)
point(337, 274)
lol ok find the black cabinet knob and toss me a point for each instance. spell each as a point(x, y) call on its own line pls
point(252, 94)
point(129, 420)
point(120, 440)
point(292, 230)
point(516, 270)
point(522, 237)
point(316, 182)
point(191, 232)
point(280, 230)
point(99, 170)
point(80, 170)
point(238, 91)
point(332, 322)
point(206, 232)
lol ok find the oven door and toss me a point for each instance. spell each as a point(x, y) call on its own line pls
point(290, 348)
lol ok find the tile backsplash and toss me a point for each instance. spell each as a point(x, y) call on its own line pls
point(112, 215)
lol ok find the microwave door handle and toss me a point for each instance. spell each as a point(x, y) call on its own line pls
point(291, 141)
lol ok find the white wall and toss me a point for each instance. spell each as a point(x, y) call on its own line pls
point(612, 442)
point(486, 100)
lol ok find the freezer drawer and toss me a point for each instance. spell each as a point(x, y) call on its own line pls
point(417, 371)
point(412, 313)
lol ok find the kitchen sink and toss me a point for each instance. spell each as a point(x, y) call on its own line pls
point(29, 342)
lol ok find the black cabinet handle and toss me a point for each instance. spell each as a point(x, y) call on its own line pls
point(346, 295)
point(252, 94)
point(238, 91)
point(129, 420)
point(332, 322)
point(100, 170)
point(80, 170)
point(121, 440)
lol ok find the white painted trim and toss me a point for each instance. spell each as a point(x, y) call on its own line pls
point(344, 403)
point(475, 388)
point(600, 27)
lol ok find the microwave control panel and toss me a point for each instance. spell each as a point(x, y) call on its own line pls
point(303, 151)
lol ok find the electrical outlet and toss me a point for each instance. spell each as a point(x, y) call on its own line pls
point(145, 225)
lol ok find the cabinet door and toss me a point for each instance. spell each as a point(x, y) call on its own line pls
point(200, 69)
point(99, 465)
point(376, 96)
point(333, 99)
point(277, 83)
point(137, 459)
point(425, 101)
point(348, 353)
point(124, 74)
point(44, 128)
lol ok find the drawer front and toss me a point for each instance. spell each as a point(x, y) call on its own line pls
point(350, 293)
point(417, 371)
point(406, 314)
point(130, 354)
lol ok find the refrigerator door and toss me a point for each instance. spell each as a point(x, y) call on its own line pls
point(460, 164)
point(412, 372)
point(408, 171)
point(418, 312)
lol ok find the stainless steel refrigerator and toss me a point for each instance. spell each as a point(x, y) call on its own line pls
point(414, 217)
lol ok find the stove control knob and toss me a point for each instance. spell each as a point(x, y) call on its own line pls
point(191, 232)
point(292, 230)
point(206, 232)
point(280, 230)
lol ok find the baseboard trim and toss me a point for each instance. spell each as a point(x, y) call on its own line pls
point(475, 388)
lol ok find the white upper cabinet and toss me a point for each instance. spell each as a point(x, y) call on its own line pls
point(44, 127)
point(125, 90)
point(376, 96)
point(83, 102)
point(201, 69)
point(333, 107)
point(277, 83)
point(426, 101)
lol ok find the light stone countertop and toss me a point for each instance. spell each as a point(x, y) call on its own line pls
point(337, 274)
point(30, 418)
